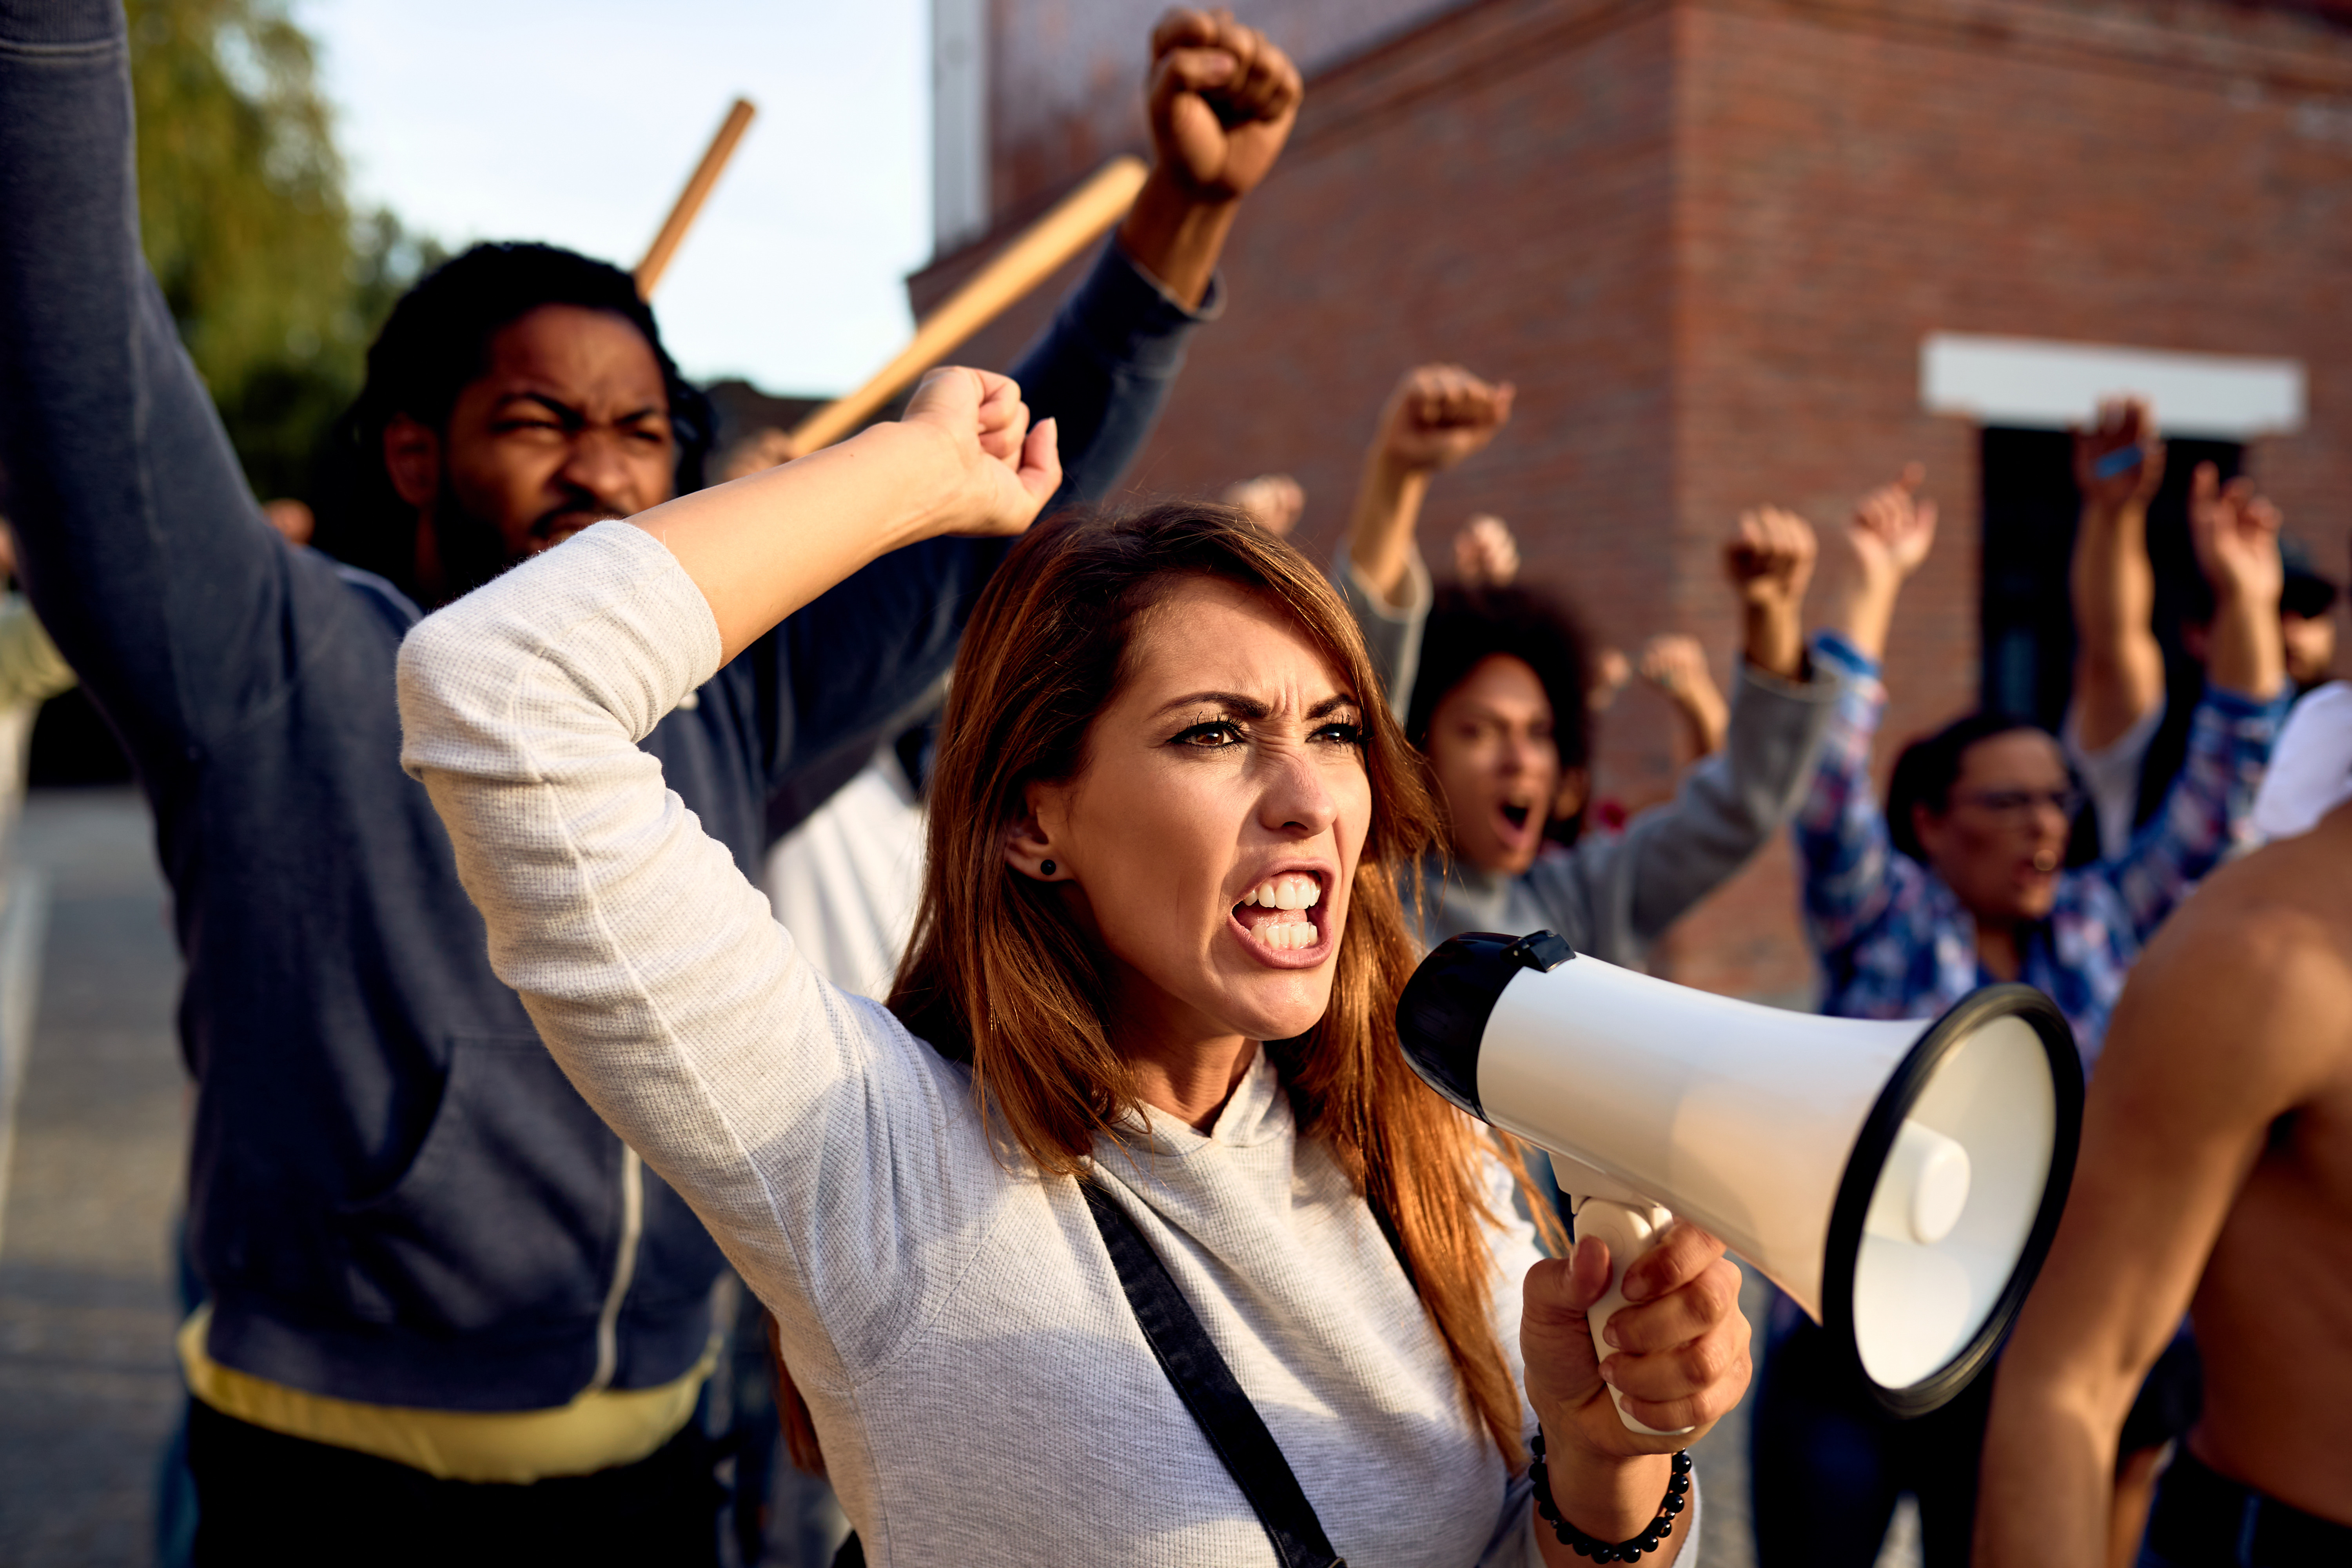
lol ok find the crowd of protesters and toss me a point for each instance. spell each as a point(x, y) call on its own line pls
point(1959, 879)
point(1056, 1060)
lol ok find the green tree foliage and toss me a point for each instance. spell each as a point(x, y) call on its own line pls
point(276, 286)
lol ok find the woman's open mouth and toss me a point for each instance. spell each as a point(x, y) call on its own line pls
point(1282, 916)
point(1517, 824)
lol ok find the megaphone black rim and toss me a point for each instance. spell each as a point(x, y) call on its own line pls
point(1870, 1152)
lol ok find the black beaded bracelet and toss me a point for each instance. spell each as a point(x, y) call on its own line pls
point(1630, 1550)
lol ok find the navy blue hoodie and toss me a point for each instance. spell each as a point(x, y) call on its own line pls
point(394, 1195)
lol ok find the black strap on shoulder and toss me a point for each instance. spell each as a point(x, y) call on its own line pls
point(1208, 1388)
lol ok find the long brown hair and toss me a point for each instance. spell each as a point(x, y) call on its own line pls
point(997, 975)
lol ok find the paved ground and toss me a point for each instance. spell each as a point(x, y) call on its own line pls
point(88, 1390)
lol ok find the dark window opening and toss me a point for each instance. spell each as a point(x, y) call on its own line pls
point(2030, 506)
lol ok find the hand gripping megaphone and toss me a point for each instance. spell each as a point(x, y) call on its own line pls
point(1902, 1181)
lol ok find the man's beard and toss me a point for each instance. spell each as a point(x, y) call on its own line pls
point(473, 550)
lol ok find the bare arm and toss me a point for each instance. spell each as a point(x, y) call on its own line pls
point(1769, 560)
point(1676, 665)
point(1439, 414)
point(2236, 534)
point(963, 460)
point(1222, 101)
point(2118, 667)
point(1891, 535)
point(2171, 1128)
point(1675, 853)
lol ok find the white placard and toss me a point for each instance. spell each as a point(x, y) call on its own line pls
point(2043, 384)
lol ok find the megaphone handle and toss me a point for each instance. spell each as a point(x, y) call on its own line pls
point(1630, 1232)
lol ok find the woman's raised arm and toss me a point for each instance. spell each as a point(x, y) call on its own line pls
point(963, 460)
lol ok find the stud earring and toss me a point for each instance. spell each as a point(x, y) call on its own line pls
point(1047, 867)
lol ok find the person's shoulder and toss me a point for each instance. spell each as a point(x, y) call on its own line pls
point(2262, 953)
point(396, 609)
point(2256, 941)
point(2293, 893)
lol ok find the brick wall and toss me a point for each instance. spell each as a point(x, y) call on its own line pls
point(1706, 239)
point(1064, 76)
point(1853, 177)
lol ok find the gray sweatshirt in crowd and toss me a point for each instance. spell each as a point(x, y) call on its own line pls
point(1611, 895)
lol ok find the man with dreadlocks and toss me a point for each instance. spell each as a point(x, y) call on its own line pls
point(448, 1315)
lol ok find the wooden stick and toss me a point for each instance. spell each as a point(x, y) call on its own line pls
point(690, 200)
point(1077, 221)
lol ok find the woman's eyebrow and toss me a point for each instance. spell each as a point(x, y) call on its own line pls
point(1247, 707)
point(1251, 708)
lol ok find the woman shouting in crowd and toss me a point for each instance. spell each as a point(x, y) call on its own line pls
point(1492, 684)
point(1123, 1234)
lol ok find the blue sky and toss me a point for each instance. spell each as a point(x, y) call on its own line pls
point(578, 121)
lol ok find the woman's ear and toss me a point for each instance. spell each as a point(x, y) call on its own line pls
point(1926, 828)
point(1029, 843)
point(1575, 790)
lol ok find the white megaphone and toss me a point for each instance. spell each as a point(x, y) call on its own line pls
point(1901, 1181)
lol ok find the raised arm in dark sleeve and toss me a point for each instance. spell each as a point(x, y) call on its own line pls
point(868, 652)
point(143, 548)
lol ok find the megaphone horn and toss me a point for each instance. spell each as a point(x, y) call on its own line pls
point(1901, 1181)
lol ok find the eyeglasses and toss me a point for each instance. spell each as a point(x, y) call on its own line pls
point(2019, 802)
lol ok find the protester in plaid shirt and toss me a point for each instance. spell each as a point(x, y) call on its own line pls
point(1958, 882)
point(1983, 809)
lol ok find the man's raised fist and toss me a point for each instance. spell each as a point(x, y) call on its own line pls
point(1222, 101)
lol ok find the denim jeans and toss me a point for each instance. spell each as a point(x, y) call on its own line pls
point(1829, 1465)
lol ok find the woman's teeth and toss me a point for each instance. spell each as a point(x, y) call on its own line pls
point(1287, 936)
point(1289, 891)
point(1283, 896)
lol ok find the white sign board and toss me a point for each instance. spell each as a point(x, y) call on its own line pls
point(2042, 384)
